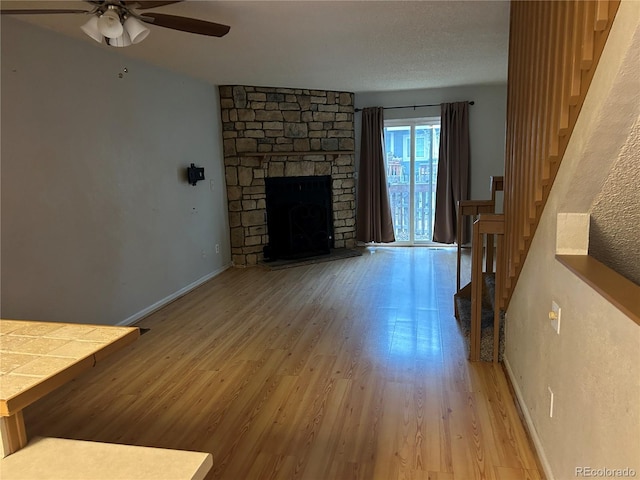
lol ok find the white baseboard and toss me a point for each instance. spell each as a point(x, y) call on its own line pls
point(537, 443)
point(161, 303)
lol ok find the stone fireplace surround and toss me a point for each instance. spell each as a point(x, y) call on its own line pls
point(284, 132)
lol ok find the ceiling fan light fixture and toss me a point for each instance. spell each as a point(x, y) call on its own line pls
point(122, 41)
point(109, 23)
point(118, 21)
point(91, 29)
point(135, 30)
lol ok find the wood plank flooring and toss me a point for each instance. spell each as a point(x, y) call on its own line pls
point(353, 369)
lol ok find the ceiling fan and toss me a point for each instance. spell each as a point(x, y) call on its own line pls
point(119, 23)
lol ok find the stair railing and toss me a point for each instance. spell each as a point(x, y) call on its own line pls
point(473, 208)
point(486, 227)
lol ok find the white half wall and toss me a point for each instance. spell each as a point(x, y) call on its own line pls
point(98, 220)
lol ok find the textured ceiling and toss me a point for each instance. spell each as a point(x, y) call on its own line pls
point(355, 46)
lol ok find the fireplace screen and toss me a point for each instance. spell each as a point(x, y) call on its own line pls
point(299, 217)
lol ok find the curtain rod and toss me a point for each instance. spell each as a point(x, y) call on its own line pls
point(412, 106)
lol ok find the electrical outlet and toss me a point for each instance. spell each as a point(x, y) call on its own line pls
point(203, 254)
point(217, 248)
point(212, 185)
point(554, 316)
point(550, 402)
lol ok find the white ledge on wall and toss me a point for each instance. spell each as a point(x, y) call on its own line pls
point(572, 250)
point(620, 291)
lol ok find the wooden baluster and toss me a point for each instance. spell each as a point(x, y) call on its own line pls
point(588, 28)
point(489, 254)
point(508, 182)
point(519, 127)
point(556, 82)
point(498, 298)
point(530, 45)
point(545, 98)
point(566, 69)
point(476, 294)
point(550, 135)
point(512, 113)
point(459, 246)
point(602, 15)
point(576, 54)
point(535, 122)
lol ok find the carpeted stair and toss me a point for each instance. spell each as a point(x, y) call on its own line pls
point(463, 314)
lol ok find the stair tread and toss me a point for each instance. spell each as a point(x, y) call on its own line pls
point(463, 310)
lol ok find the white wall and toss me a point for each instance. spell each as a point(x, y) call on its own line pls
point(593, 366)
point(487, 119)
point(98, 221)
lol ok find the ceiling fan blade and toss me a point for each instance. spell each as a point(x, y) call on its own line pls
point(185, 24)
point(40, 12)
point(146, 4)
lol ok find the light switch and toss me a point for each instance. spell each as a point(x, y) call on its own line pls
point(554, 316)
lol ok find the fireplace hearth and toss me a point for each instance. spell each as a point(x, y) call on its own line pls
point(299, 217)
point(271, 132)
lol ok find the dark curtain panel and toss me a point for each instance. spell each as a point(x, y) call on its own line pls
point(453, 170)
point(374, 213)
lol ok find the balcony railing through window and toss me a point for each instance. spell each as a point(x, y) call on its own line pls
point(412, 148)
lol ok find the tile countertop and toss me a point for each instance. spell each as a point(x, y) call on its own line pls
point(59, 458)
point(37, 357)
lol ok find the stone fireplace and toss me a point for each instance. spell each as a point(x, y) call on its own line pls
point(284, 132)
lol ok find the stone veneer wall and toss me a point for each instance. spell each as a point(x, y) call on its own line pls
point(284, 132)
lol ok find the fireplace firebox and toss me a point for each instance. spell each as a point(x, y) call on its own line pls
point(299, 217)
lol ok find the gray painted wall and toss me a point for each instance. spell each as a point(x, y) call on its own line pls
point(98, 221)
point(487, 119)
point(614, 238)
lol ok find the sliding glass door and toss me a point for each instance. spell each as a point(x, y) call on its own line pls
point(411, 148)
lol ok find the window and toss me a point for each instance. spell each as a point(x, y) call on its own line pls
point(412, 148)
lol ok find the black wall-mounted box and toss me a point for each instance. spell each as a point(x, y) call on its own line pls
point(195, 174)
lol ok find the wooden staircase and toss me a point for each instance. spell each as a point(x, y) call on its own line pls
point(554, 49)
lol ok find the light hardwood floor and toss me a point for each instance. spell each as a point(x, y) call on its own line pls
point(353, 369)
